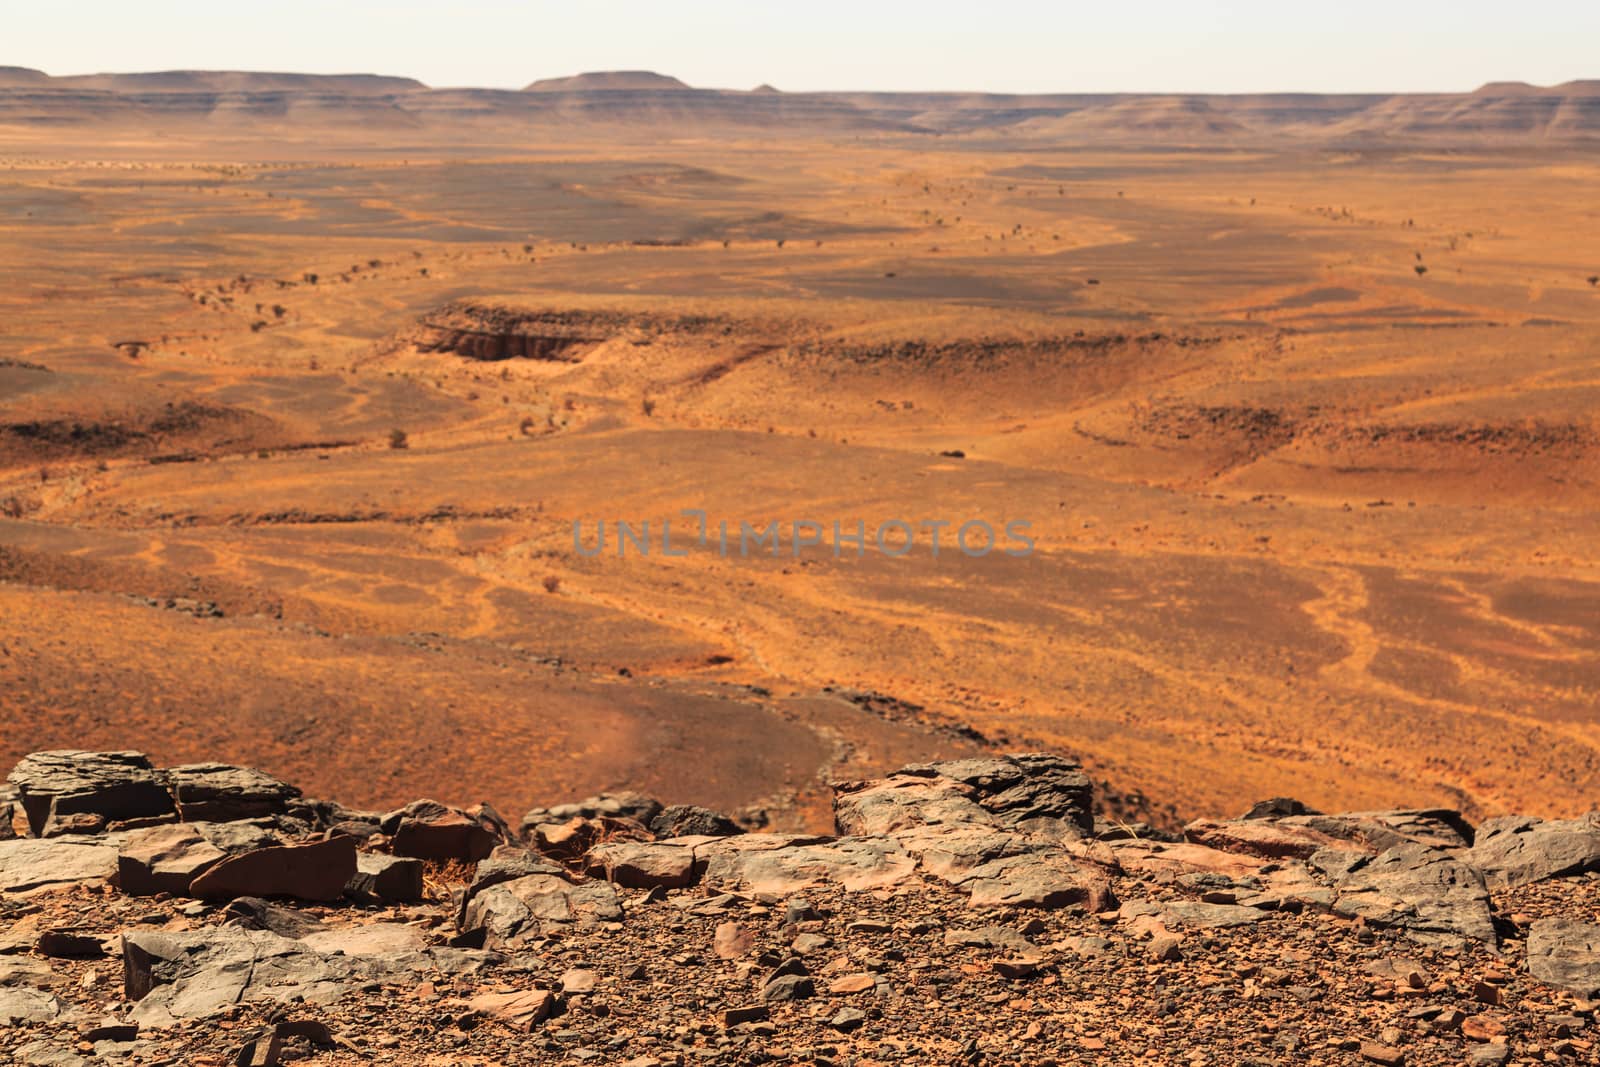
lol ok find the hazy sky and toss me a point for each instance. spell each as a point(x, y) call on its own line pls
point(1000, 45)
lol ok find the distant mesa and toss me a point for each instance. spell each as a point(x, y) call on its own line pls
point(20, 76)
point(596, 81)
point(1573, 88)
point(219, 81)
point(766, 90)
point(1508, 89)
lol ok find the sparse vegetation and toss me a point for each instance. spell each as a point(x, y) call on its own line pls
point(399, 439)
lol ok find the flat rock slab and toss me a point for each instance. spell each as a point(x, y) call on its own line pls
point(164, 859)
point(522, 1010)
point(201, 974)
point(1566, 953)
point(646, 864)
point(774, 863)
point(31, 863)
point(20, 1005)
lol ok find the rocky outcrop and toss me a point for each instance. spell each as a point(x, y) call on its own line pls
point(1515, 851)
point(943, 876)
point(70, 791)
point(1430, 893)
point(1566, 954)
point(204, 974)
point(217, 792)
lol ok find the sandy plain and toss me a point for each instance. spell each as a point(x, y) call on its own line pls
point(1309, 519)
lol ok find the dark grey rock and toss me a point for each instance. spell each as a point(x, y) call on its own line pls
point(1427, 892)
point(1277, 808)
point(1516, 851)
point(788, 987)
point(687, 820)
point(317, 870)
point(57, 788)
point(219, 792)
point(1565, 953)
point(513, 911)
point(9, 809)
point(387, 877)
point(429, 830)
point(253, 913)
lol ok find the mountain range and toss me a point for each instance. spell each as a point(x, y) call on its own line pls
point(1500, 111)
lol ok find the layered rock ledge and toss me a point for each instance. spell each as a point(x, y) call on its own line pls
point(969, 911)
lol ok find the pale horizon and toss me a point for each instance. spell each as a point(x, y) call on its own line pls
point(1235, 48)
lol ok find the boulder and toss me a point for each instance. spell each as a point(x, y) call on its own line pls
point(1518, 851)
point(688, 820)
point(429, 830)
point(523, 1010)
point(70, 790)
point(1565, 953)
point(30, 863)
point(506, 863)
point(565, 841)
point(164, 859)
point(219, 792)
point(1427, 892)
point(513, 911)
point(645, 865)
point(319, 870)
point(387, 877)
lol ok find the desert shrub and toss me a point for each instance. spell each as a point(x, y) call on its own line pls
point(398, 439)
point(551, 583)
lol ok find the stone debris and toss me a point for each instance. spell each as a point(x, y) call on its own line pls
point(965, 912)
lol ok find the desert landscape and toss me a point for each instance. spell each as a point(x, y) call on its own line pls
point(1296, 395)
point(485, 574)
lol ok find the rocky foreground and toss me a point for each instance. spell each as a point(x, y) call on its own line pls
point(967, 912)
